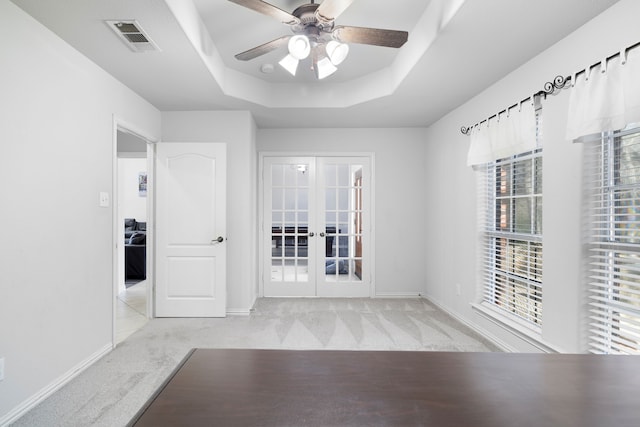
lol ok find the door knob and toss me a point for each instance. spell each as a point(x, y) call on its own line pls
point(220, 239)
point(311, 234)
point(321, 234)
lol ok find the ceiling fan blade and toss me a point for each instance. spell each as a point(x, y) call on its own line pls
point(373, 36)
point(269, 10)
point(263, 49)
point(331, 9)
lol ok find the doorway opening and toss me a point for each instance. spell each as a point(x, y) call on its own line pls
point(132, 291)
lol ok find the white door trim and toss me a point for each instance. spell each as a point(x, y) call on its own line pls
point(116, 238)
point(261, 219)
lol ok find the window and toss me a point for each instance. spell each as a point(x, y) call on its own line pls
point(613, 218)
point(512, 238)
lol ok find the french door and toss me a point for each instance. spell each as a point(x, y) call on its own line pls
point(317, 226)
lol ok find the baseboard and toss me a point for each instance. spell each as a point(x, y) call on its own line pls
point(238, 312)
point(47, 391)
point(397, 295)
point(486, 334)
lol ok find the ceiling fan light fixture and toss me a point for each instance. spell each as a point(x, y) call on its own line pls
point(290, 64)
point(324, 68)
point(337, 52)
point(299, 47)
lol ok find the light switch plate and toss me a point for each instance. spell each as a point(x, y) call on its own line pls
point(104, 199)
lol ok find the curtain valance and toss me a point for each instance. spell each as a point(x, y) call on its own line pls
point(605, 97)
point(509, 133)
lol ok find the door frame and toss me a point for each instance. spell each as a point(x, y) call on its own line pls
point(116, 239)
point(261, 220)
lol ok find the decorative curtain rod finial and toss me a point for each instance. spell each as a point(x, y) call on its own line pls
point(558, 83)
point(465, 130)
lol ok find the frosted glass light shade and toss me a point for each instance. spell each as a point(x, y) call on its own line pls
point(299, 47)
point(324, 68)
point(290, 64)
point(337, 52)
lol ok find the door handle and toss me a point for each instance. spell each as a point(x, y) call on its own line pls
point(311, 234)
point(321, 234)
point(220, 239)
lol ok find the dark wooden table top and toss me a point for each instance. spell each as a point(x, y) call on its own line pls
point(393, 388)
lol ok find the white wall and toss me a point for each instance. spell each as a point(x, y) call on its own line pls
point(56, 279)
point(400, 202)
point(451, 254)
point(237, 129)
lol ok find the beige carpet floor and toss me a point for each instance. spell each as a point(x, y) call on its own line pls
point(111, 391)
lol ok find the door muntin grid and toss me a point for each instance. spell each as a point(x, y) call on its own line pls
point(343, 217)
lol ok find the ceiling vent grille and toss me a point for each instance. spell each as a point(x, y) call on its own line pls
point(133, 35)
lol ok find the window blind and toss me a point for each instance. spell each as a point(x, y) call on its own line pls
point(511, 261)
point(612, 177)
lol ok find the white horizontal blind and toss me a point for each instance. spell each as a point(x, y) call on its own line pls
point(613, 179)
point(512, 238)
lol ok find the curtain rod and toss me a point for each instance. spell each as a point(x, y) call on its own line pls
point(550, 87)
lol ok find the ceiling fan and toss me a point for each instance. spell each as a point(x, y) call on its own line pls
point(315, 34)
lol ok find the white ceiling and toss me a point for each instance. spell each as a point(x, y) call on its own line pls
point(456, 49)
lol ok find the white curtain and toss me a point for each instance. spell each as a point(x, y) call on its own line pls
point(606, 98)
point(510, 133)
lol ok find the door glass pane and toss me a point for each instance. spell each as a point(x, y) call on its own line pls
point(343, 228)
point(290, 175)
point(344, 177)
point(330, 175)
point(343, 199)
point(290, 218)
point(331, 199)
point(302, 246)
point(302, 200)
point(277, 199)
point(290, 223)
point(290, 198)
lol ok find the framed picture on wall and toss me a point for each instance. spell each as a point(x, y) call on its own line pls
point(142, 184)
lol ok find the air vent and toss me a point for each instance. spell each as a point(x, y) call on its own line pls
point(133, 35)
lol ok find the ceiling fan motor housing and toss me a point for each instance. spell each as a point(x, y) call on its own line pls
point(309, 24)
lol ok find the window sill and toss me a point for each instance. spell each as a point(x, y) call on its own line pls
point(521, 330)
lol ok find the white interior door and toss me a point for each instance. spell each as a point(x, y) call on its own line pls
point(317, 226)
point(190, 230)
